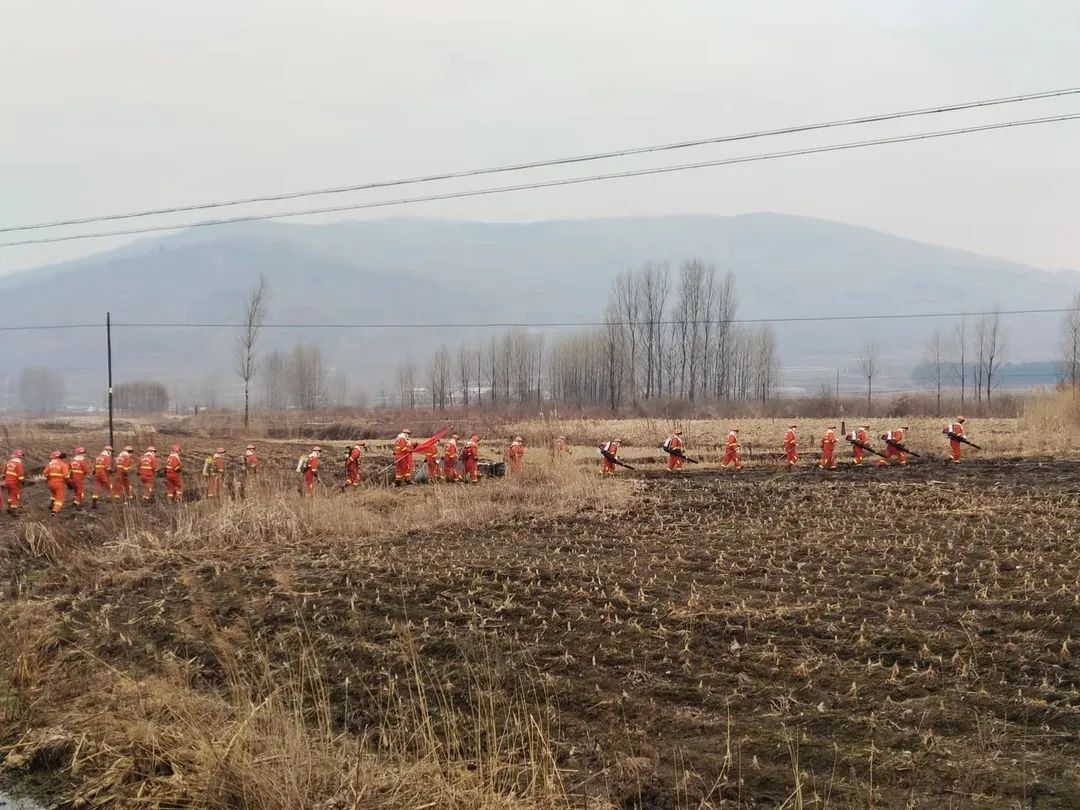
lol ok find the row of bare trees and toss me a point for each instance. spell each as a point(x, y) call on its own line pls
point(968, 359)
point(663, 335)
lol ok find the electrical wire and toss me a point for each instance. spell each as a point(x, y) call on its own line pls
point(537, 324)
point(922, 136)
point(561, 161)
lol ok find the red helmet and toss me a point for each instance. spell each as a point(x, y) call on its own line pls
point(18, 454)
point(250, 447)
point(107, 448)
point(175, 448)
point(54, 454)
point(220, 450)
point(151, 449)
point(79, 450)
point(316, 449)
point(128, 448)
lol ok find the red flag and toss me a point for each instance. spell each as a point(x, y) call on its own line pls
point(427, 444)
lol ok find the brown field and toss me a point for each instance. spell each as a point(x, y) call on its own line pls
point(899, 638)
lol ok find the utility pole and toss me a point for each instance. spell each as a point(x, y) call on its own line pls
point(108, 349)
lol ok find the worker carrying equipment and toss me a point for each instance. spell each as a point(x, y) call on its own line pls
point(103, 467)
point(352, 465)
point(859, 439)
point(895, 448)
point(431, 461)
point(791, 446)
point(955, 432)
point(214, 473)
point(14, 475)
point(515, 454)
point(470, 457)
point(609, 457)
point(174, 483)
point(731, 450)
point(57, 473)
point(673, 447)
point(148, 467)
point(122, 483)
point(80, 469)
point(449, 459)
point(310, 469)
point(828, 449)
point(251, 461)
point(403, 460)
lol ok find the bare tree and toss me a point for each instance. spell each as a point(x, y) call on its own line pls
point(935, 358)
point(992, 349)
point(868, 365)
point(306, 377)
point(273, 374)
point(1070, 345)
point(254, 317)
point(960, 345)
point(464, 369)
point(141, 396)
point(766, 367)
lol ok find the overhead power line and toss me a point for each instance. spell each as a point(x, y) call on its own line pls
point(561, 161)
point(452, 195)
point(536, 324)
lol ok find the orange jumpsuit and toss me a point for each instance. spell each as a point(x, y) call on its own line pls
point(251, 463)
point(731, 452)
point(560, 449)
point(13, 481)
point(607, 466)
point(469, 456)
point(352, 468)
point(516, 455)
point(403, 462)
point(791, 447)
point(431, 458)
point(174, 482)
point(80, 469)
point(122, 485)
point(860, 435)
point(57, 474)
point(311, 472)
point(217, 475)
point(828, 450)
point(957, 429)
point(148, 467)
point(675, 460)
point(449, 461)
point(102, 480)
point(890, 451)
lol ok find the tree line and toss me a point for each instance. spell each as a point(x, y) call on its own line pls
point(662, 335)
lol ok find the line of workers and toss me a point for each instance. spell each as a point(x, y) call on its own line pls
point(859, 439)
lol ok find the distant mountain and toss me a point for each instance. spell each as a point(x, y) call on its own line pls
point(407, 270)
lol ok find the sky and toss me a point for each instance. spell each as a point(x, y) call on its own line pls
point(126, 104)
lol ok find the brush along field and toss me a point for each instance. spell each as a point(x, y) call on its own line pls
point(895, 638)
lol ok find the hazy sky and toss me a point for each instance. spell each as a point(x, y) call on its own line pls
point(123, 104)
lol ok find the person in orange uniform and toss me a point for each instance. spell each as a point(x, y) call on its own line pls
point(122, 483)
point(14, 474)
point(403, 461)
point(731, 450)
point(608, 451)
point(251, 461)
point(828, 449)
point(560, 449)
point(80, 469)
point(431, 460)
point(449, 459)
point(955, 428)
point(103, 467)
point(791, 446)
point(148, 467)
point(470, 457)
point(352, 466)
point(516, 455)
point(892, 438)
point(174, 482)
point(214, 472)
point(861, 434)
point(57, 475)
point(675, 459)
point(311, 471)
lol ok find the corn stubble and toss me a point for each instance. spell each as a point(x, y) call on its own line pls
point(896, 638)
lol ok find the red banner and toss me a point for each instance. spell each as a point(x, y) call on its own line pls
point(427, 444)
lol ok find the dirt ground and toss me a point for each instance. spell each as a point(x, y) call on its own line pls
point(866, 637)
